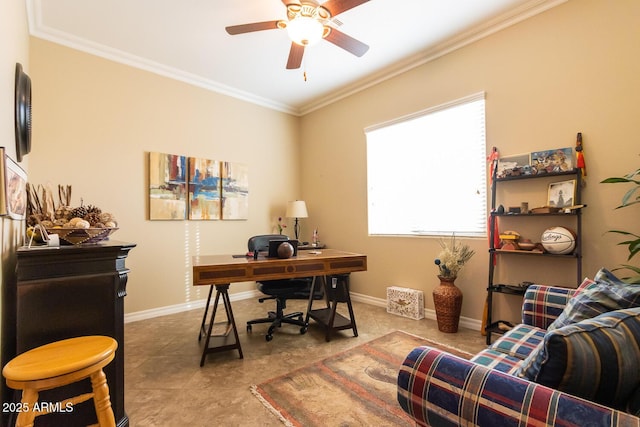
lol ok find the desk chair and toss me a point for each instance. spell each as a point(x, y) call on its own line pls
point(280, 290)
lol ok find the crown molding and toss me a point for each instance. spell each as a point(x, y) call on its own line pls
point(512, 17)
point(508, 19)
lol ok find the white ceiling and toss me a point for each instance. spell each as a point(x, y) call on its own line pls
point(186, 40)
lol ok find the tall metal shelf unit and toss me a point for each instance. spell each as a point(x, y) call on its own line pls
point(496, 253)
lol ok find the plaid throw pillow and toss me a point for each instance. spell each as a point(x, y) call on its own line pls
point(606, 293)
point(597, 359)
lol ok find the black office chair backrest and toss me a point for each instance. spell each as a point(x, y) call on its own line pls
point(261, 242)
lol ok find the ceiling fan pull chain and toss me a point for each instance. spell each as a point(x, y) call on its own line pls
point(304, 68)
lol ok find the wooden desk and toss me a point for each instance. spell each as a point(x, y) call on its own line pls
point(222, 270)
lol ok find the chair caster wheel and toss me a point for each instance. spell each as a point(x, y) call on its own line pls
point(248, 328)
point(268, 337)
point(303, 330)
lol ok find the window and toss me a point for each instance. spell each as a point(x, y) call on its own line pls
point(426, 172)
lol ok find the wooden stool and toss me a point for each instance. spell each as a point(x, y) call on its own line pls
point(58, 364)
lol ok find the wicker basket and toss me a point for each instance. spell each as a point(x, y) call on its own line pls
point(77, 236)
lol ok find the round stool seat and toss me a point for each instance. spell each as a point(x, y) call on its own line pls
point(59, 364)
point(60, 358)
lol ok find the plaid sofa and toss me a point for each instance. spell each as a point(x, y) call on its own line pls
point(492, 389)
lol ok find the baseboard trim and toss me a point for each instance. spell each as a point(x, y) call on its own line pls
point(465, 322)
point(186, 306)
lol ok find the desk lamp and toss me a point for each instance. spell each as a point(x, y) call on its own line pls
point(297, 209)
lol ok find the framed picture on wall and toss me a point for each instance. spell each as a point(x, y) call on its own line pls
point(13, 194)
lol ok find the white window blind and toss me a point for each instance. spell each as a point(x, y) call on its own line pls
point(426, 172)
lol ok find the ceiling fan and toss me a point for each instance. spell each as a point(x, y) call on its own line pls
point(307, 23)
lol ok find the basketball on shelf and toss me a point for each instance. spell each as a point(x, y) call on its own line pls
point(558, 240)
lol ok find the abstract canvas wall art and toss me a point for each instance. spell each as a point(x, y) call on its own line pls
point(204, 189)
point(235, 190)
point(167, 186)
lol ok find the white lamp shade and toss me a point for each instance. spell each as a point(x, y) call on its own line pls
point(297, 209)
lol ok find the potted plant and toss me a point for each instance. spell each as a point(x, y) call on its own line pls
point(447, 297)
point(631, 197)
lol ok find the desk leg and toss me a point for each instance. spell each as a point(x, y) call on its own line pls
point(337, 292)
point(222, 342)
point(204, 318)
point(314, 285)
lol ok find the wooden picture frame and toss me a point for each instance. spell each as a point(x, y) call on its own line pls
point(562, 194)
point(13, 194)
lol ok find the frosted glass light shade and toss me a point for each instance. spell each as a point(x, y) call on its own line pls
point(305, 31)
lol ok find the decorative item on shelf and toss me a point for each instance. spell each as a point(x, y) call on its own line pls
point(515, 165)
point(544, 210)
point(559, 240)
point(297, 209)
point(552, 161)
point(280, 225)
point(526, 245)
point(73, 225)
point(562, 194)
point(447, 297)
point(580, 163)
point(509, 240)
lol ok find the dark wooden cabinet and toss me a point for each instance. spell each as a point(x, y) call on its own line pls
point(67, 292)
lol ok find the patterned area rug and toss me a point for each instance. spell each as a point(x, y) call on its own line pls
point(354, 388)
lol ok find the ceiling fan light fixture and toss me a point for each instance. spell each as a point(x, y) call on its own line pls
point(305, 31)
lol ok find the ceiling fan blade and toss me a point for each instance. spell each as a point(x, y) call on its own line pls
point(336, 7)
point(249, 28)
point(288, 2)
point(347, 43)
point(295, 56)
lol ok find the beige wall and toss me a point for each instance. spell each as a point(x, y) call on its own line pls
point(572, 69)
point(94, 122)
point(13, 28)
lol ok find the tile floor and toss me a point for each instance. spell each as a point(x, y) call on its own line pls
point(165, 385)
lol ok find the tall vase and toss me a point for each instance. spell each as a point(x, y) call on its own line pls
point(447, 299)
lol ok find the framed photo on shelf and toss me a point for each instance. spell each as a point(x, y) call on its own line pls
point(556, 160)
point(562, 194)
point(508, 163)
point(13, 191)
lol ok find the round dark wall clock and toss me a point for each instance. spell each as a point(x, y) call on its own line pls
point(23, 113)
